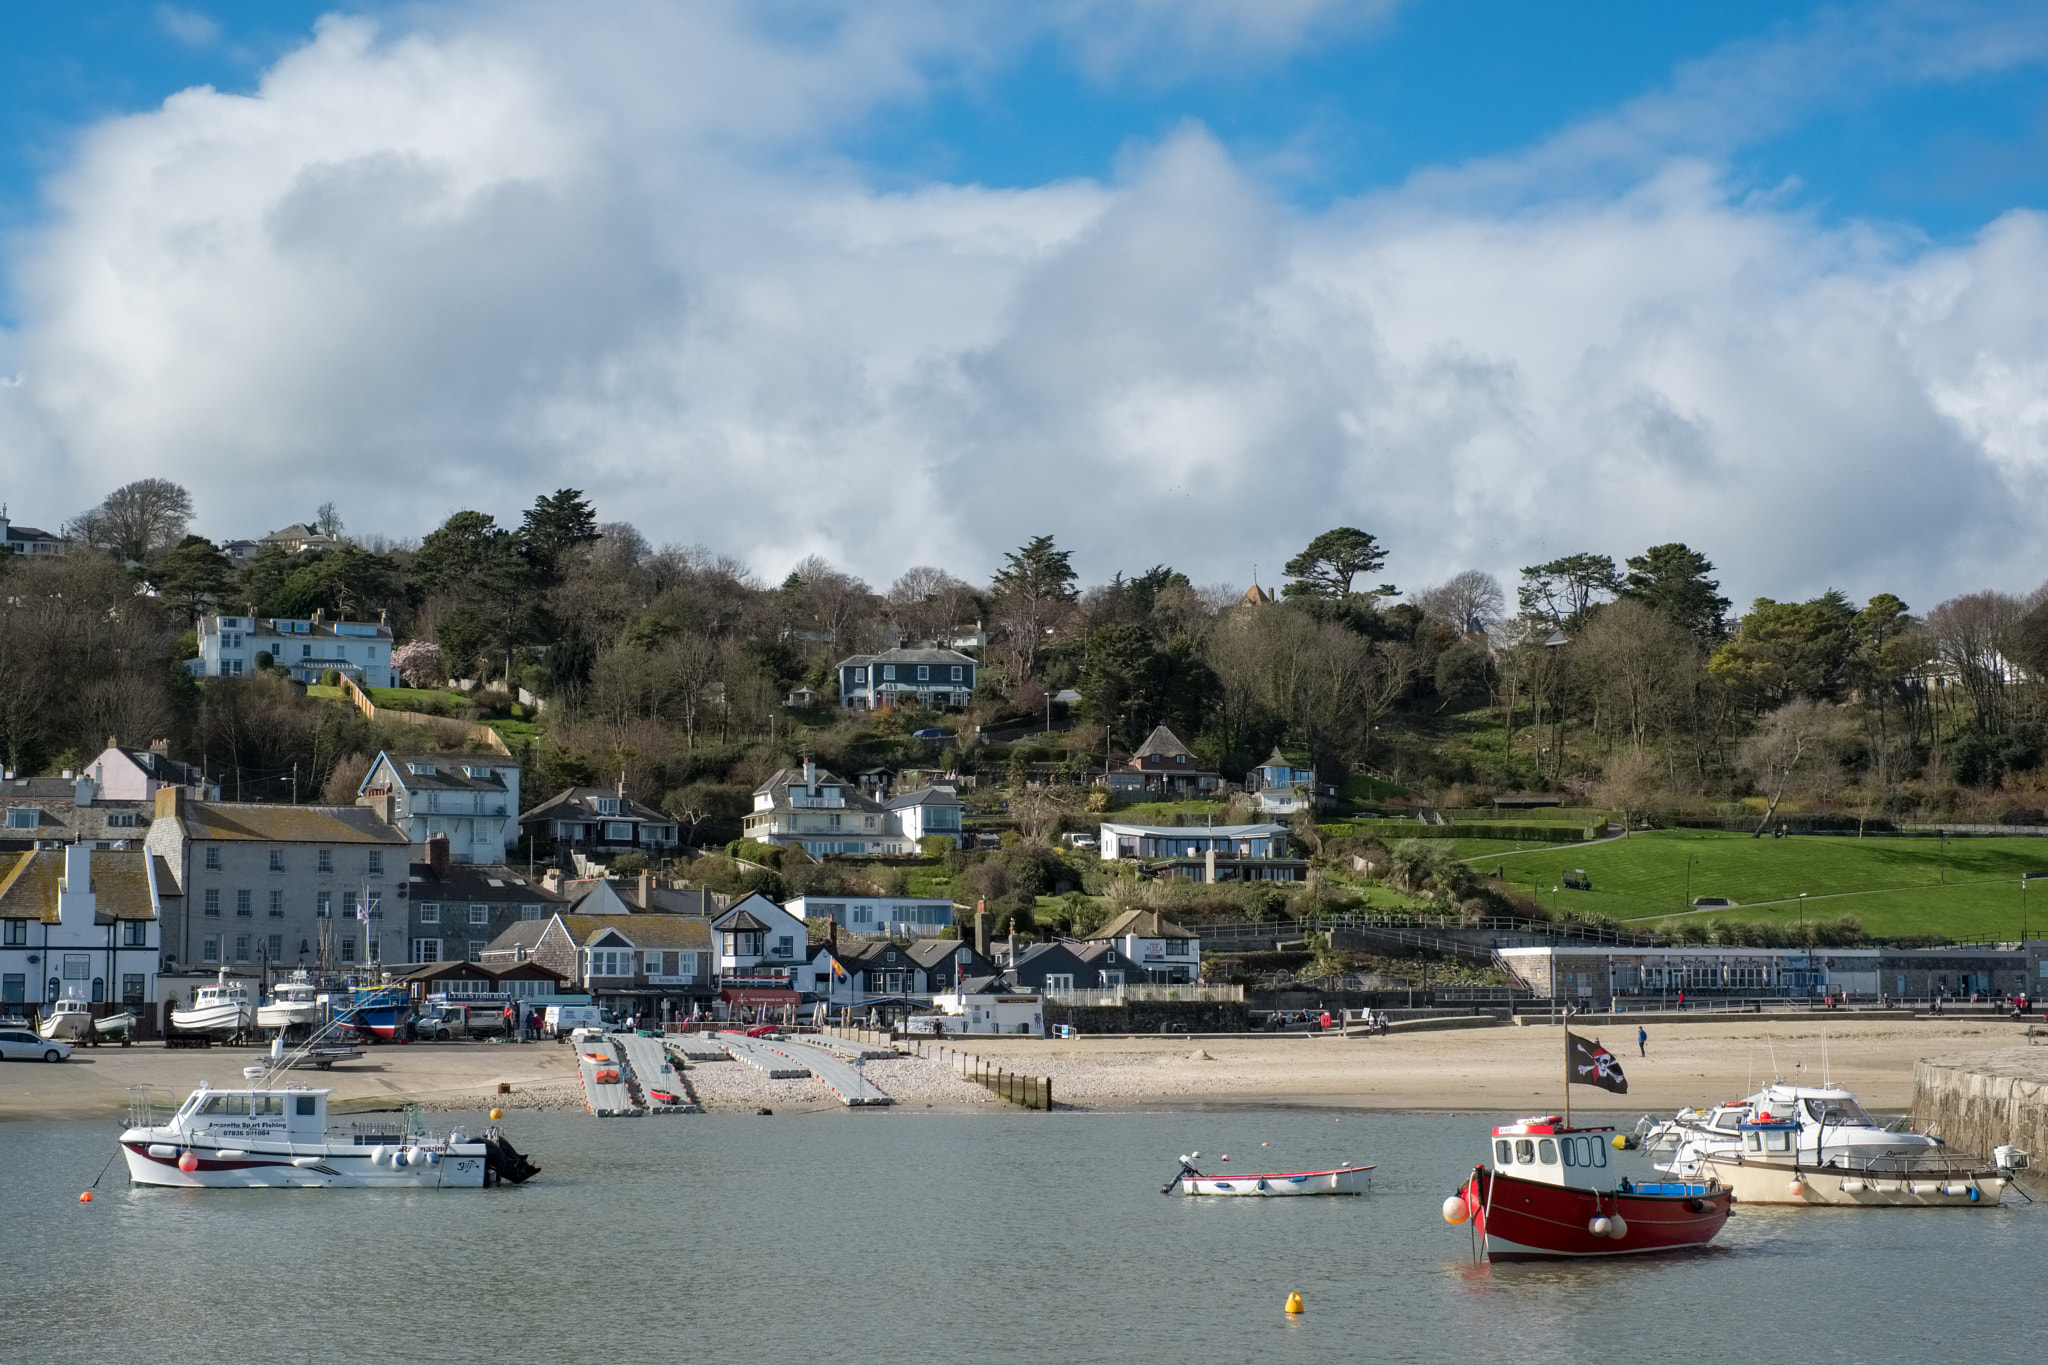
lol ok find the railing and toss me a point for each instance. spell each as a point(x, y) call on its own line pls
point(1149, 993)
point(1591, 933)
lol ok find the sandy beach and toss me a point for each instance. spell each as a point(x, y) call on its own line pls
point(1481, 1069)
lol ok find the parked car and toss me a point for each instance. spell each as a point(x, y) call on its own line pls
point(22, 1045)
point(1080, 841)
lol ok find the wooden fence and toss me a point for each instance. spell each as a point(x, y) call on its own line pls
point(1032, 1092)
point(470, 730)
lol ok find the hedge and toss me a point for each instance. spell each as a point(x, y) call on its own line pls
point(1415, 829)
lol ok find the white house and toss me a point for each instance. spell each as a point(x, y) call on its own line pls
point(1162, 949)
point(757, 937)
point(931, 811)
point(120, 774)
point(896, 916)
point(985, 1007)
point(1281, 786)
point(471, 799)
point(1207, 853)
point(823, 813)
point(228, 646)
point(78, 923)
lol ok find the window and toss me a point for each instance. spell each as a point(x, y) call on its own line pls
point(77, 966)
point(611, 962)
point(213, 857)
point(213, 901)
point(375, 905)
point(16, 933)
point(888, 673)
point(958, 673)
point(323, 905)
point(134, 933)
point(785, 946)
point(277, 904)
point(277, 860)
point(426, 950)
point(23, 817)
point(479, 913)
point(607, 805)
point(209, 948)
point(14, 988)
point(529, 912)
point(430, 913)
point(376, 862)
point(618, 832)
point(303, 1105)
point(1059, 981)
point(121, 819)
point(1176, 947)
point(924, 674)
point(274, 948)
point(245, 905)
point(131, 988)
point(325, 860)
point(241, 947)
point(476, 948)
point(1547, 1150)
point(348, 905)
point(860, 675)
point(348, 950)
point(1112, 978)
point(1525, 1152)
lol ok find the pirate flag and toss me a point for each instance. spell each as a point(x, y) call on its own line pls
point(1591, 1064)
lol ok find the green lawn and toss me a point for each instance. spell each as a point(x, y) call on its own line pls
point(1163, 812)
point(415, 698)
point(1894, 886)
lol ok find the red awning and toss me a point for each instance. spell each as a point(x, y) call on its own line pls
point(751, 997)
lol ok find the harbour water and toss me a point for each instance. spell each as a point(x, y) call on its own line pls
point(901, 1236)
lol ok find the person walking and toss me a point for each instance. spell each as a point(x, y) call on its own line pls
point(1642, 1041)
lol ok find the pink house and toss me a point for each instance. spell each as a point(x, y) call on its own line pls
point(139, 774)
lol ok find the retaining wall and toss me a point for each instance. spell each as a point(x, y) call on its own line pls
point(1157, 1016)
point(1988, 1100)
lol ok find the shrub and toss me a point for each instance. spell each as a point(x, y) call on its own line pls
point(628, 864)
point(331, 678)
point(264, 662)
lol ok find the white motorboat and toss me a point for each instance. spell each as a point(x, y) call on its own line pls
point(292, 1004)
point(276, 1137)
point(1272, 1184)
point(1820, 1124)
point(1767, 1171)
point(222, 1009)
point(68, 1019)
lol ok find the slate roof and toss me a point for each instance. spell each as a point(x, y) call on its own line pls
point(1143, 923)
point(582, 801)
point(448, 772)
point(909, 656)
point(930, 952)
point(213, 820)
point(928, 796)
point(478, 882)
point(170, 771)
point(642, 931)
point(777, 789)
point(739, 922)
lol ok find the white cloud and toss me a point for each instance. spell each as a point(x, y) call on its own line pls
point(518, 249)
point(189, 27)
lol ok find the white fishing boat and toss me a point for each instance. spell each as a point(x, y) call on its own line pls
point(1820, 1123)
point(1767, 1169)
point(277, 1137)
point(222, 1009)
point(1272, 1184)
point(67, 1019)
point(292, 1004)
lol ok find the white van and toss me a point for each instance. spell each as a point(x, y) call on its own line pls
point(565, 1019)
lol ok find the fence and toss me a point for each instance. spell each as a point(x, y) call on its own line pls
point(1032, 1092)
point(1284, 929)
point(470, 730)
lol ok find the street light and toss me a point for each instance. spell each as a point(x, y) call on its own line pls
point(1802, 916)
point(1690, 859)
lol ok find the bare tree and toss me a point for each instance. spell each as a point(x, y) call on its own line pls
point(137, 519)
point(1470, 601)
point(928, 602)
point(1635, 659)
point(1797, 740)
point(1969, 634)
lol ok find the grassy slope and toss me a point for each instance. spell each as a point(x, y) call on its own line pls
point(1894, 886)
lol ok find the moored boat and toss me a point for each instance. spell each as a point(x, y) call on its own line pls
point(1767, 1168)
point(1821, 1124)
point(1551, 1192)
point(264, 1136)
point(1271, 1184)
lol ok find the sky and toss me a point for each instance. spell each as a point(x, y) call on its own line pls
point(1176, 281)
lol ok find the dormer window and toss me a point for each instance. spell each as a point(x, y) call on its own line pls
point(607, 805)
point(423, 770)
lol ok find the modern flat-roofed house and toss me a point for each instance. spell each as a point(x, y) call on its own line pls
point(1165, 765)
point(599, 820)
point(878, 916)
point(1213, 853)
point(360, 650)
point(927, 677)
point(1163, 950)
point(281, 886)
point(472, 800)
point(79, 923)
point(822, 813)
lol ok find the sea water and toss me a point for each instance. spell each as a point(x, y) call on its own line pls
point(925, 1236)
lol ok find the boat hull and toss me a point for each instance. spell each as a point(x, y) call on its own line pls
point(1523, 1220)
point(222, 1021)
point(1343, 1180)
point(115, 1023)
point(1756, 1182)
point(153, 1160)
point(287, 1016)
point(65, 1027)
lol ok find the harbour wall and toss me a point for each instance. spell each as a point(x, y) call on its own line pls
point(1987, 1100)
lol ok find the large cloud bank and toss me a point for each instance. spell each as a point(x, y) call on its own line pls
point(501, 252)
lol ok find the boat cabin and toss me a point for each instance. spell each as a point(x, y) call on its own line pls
point(293, 1114)
point(226, 993)
point(1771, 1137)
point(1545, 1149)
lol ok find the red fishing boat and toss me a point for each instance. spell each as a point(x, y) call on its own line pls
point(1550, 1190)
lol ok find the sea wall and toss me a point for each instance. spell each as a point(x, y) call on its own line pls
point(1151, 1016)
point(1987, 1100)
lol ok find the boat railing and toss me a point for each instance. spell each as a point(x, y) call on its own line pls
point(143, 1103)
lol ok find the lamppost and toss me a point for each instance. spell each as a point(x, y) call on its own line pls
point(1802, 917)
point(1690, 859)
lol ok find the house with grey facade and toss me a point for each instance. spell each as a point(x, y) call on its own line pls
point(458, 909)
point(926, 677)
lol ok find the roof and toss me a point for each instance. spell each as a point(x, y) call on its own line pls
point(170, 771)
point(1143, 923)
point(909, 656)
point(1255, 596)
point(1162, 743)
point(217, 820)
point(526, 934)
point(778, 784)
point(642, 931)
point(1277, 759)
point(30, 882)
point(441, 772)
point(477, 882)
point(924, 796)
point(1200, 831)
point(583, 801)
point(930, 952)
point(739, 922)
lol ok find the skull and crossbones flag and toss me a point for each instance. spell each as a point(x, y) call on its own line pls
point(1591, 1064)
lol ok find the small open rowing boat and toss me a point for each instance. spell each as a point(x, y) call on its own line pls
point(1342, 1180)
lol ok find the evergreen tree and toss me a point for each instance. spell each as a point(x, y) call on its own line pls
point(1332, 562)
point(1673, 579)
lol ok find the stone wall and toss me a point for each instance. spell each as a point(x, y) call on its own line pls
point(1989, 1100)
point(1163, 1016)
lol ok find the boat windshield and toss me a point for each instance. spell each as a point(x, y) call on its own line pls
point(1838, 1112)
point(226, 1104)
point(1729, 1119)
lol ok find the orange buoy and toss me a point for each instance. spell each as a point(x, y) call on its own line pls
point(85, 1198)
point(188, 1163)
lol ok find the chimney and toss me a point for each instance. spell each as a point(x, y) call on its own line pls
point(551, 880)
point(832, 937)
point(437, 855)
point(160, 746)
point(981, 927)
point(646, 890)
point(82, 793)
point(170, 802)
point(810, 773)
point(113, 741)
point(1013, 950)
point(1209, 867)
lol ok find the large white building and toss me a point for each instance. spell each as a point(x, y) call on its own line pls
point(360, 650)
point(472, 800)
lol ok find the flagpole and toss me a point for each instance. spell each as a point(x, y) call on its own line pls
point(1567, 1075)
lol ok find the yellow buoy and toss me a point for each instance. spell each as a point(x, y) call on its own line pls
point(1294, 1303)
point(497, 1114)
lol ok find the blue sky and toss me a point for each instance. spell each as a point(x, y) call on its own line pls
point(597, 276)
